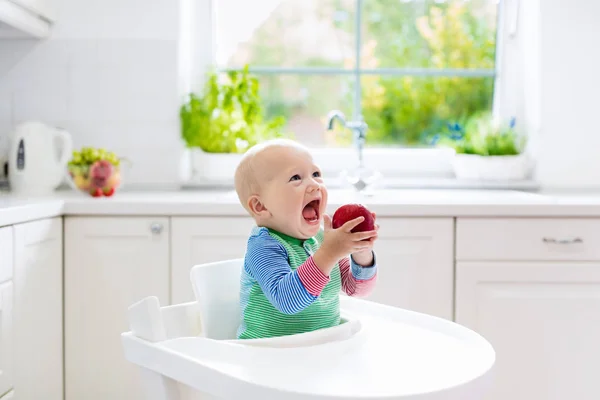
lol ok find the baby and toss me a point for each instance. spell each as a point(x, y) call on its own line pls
point(293, 269)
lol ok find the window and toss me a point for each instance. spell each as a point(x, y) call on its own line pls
point(407, 67)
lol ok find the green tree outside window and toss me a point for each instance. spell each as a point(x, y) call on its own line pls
point(400, 110)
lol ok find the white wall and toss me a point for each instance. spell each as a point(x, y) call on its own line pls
point(109, 75)
point(569, 139)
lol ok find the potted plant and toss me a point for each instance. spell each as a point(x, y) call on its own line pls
point(221, 123)
point(487, 149)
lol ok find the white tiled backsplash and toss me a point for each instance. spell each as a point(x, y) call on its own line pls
point(110, 79)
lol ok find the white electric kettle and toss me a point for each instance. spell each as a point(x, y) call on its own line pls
point(34, 167)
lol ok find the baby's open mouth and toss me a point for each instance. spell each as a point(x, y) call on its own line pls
point(311, 211)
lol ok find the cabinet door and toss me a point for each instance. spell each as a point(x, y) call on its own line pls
point(110, 263)
point(6, 338)
point(38, 310)
point(415, 261)
point(543, 320)
point(6, 253)
point(200, 240)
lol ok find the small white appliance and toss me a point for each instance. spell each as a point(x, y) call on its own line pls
point(35, 167)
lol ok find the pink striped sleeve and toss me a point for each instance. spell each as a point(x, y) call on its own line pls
point(353, 286)
point(311, 277)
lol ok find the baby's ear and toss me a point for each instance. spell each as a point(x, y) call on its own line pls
point(256, 207)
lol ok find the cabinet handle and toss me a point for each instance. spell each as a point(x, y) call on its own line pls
point(563, 241)
point(156, 228)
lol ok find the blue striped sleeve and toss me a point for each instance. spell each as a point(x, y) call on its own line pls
point(267, 263)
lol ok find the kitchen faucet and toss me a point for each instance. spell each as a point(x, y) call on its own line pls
point(360, 178)
point(358, 128)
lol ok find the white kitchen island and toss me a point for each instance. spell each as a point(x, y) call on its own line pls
point(522, 269)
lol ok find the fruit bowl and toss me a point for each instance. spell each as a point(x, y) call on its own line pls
point(95, 172)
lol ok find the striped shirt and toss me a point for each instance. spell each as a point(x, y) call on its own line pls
point(283, 292)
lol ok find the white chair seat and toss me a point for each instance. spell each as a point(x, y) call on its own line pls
point(381, 352)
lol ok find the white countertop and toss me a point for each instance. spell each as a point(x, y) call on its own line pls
point(389, 203)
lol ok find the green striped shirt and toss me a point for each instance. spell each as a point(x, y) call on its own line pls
point(282, 290)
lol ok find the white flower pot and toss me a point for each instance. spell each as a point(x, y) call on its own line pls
point(214, 168)
point(492, 168)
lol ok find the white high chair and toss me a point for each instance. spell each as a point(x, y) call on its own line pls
point(189, 351)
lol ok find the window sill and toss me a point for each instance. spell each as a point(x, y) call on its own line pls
point(401, 168)
point(400, 184)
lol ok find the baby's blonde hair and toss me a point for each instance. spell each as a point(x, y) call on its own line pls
point(249, 176)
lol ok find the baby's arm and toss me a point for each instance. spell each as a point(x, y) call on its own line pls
point(288, 291)
point(357, 280)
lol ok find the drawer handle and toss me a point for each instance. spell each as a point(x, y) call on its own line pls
point(563, 241)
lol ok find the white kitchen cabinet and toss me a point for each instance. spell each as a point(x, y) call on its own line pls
point(6, 253)
point(543, 320)
point(6, 338)
point(38, 310)
point(6, 311)
point(415, 258)
point(198, 240)
point(110, 263)
point(416, 265)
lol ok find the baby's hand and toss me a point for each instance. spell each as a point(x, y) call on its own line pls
point(365, 257)
point(341, 242)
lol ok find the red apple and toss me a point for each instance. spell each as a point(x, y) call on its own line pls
point(349, 212)
point(100, 172)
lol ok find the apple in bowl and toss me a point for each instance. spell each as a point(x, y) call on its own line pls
point(95, 171)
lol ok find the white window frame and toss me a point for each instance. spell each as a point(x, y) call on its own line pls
point(396, 164)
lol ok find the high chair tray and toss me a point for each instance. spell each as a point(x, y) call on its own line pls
point(381, 352)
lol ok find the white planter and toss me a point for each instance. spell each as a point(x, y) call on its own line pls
point(208, 168)
point(492, 168)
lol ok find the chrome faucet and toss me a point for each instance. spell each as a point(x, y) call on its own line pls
point(358, 128)
point(360, 178)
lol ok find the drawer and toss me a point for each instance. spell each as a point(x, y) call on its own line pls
point(6, 253)
point(561, 239)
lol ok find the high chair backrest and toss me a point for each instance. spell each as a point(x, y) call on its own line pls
point(217, 289)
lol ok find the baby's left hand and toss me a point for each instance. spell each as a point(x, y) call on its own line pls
point(365, 257)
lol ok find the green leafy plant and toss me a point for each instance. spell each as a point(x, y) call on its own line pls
point(227, 117)
point(483, 135)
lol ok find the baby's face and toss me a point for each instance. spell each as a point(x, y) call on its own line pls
point(294, 194)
